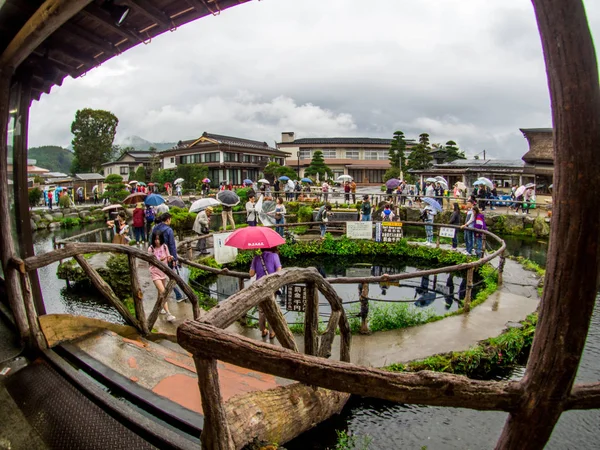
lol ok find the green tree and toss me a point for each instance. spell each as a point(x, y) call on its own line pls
point(140, 174)
point(162, 176)
point(397, 155)
point(275, 170)
point(35, 196)
point(115, 188)
point(453, 152)
point(424, 140)
point(419, 158)
point(154, 165)
point(318, 167)
point(94, 132)
point(191, 174)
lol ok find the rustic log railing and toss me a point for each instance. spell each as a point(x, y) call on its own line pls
point(139, 320)
point(216, 432)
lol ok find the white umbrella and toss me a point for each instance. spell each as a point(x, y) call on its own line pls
point(431, 180)
point(291, 184)
point(265, 208)
point(132, 182)
point(461, 186)
point(520, 191)
point(344, 178)
point(263, 180)
point(203, 203)
point(95, 188)
point(529, 185)
point(440, 179)
point(178, 181)
point(443, 183)
point(486, 181)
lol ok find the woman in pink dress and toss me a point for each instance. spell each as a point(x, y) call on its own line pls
point(160, 250)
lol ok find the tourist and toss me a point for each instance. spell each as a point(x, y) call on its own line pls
point(251, 214)
point(387, 215)
point(418, 188)
point(325, 191)
point(480, 225)
point(202, 227)
point(160, 250)
point(138, 223)
point(323, 218)
point(427, 214)
point(120, 228)
point(205, 189)
point(162, 209)
point(365, 209)
point(403, 193)
point(279, 215)
point(96, 201)
point(353, 190)
point(150, 217)
point(493, 196)
point(297, 190)
point(227, 214)
point(268, 190)
point(429, 190)
point(347, 192)
point(276, 188)
point(50, 199)
point(482, 195)
point(264, 264)
point(470, 219)
point(439, 194)
point(179, 191)
point(164, 227)
point(455, 220)
point(528, 199)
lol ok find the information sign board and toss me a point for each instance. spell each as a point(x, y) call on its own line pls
point(388, 231)
point(295, 297)
point(223, 253)
point(359, 230)
point(447, 232)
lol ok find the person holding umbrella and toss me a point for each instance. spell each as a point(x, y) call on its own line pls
point(202, 227)
point(164, 227)
point(150, 216)
point(159, 249)
point(323, 217)
point(469, 237)
point(264, 264)
point(279, 215)
point(250, 212)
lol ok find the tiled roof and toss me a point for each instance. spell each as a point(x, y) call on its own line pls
point(468, 163)
point(238, 142)
point(343, 141)
point(89, 176)
point(535, 130)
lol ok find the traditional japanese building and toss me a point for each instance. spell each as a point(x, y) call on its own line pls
point(228, 158)
point(127, 163)
point(540, 157)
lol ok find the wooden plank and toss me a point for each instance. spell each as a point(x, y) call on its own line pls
point(311, 320)
point(469, 291)
point(138, 295)
point(45, 21)
point(107, 291)
point(37, 338)
point(329, 335)
point(58, 328)
point(215, 433)
point(425, 387)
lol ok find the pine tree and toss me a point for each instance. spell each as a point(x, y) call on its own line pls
point(318, 166)
point(453, 153)
point(397, 154)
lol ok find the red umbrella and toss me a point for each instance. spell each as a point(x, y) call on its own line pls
point(254, 237)
point(134, 198)
point(167, 184)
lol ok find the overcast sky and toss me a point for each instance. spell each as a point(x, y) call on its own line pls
point(467, 70)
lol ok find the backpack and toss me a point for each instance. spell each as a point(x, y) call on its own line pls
point(319, 217)
point(366, 208)
point(150, 215)
point(386, 216)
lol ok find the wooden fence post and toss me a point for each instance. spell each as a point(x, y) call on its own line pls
point(364, 308)
point(311, 319)
point(467, 304)
point(138, 295)
point(501, 270)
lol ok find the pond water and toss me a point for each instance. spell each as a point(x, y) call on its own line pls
point(441, 293)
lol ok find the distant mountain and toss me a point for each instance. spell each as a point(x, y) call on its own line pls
point(139, 143)
point(52, 157)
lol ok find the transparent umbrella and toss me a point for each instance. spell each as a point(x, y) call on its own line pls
point(266, 215)
point(228, 198)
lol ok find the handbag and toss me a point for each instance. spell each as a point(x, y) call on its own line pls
point(204, 229)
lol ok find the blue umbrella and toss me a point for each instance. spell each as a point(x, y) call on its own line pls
point(284, 178)
point(392, 183)
point(154, 200)
point(433, 203)
point(306, 180)
point(248, 181)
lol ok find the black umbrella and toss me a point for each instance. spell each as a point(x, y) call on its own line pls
point(228, 198)
point(177, 202)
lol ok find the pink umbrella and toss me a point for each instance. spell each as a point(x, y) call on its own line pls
point(254, 237)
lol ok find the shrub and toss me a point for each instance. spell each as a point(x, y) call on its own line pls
point(119, 277)
point(305, 214)
point(393, 316)
point(35, 196)
point(69, 222)
point(64, 201)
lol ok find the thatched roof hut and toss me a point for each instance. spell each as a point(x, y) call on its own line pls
point(541, 149)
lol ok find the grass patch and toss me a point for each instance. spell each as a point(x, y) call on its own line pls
point(490, 357)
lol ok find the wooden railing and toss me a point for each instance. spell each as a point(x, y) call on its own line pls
point(142, 322)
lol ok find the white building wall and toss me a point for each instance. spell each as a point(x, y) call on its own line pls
point(168, 162)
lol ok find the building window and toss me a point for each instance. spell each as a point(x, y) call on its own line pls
point(124, 170)
point(247, 158)
point(230, 157)
point(172, 160)
point(305, 154)
point(376, 154)
point(351, 154)
point(210, 157)
point(329, 153)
